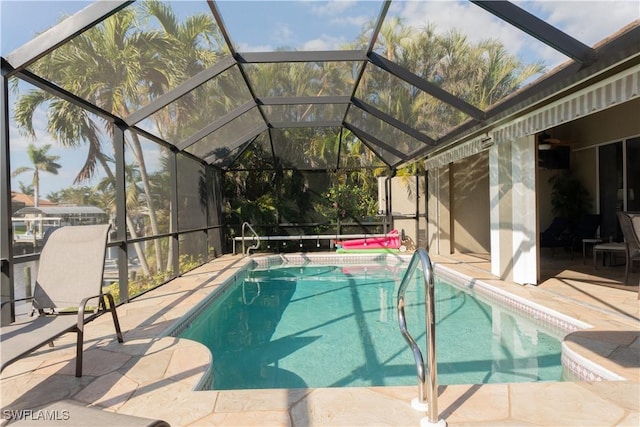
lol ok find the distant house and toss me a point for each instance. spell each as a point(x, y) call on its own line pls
point(31, 223)
point(70, 215)
point(21, 200)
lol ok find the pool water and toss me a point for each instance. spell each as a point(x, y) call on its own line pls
point(336, 326)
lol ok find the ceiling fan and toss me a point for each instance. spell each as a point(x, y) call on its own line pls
point(547, 142)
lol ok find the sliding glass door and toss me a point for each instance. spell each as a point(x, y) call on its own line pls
point(619, 184)
point(633, 175)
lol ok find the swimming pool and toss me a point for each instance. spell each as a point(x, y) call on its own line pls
point(309, 325)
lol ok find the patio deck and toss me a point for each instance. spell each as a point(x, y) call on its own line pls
point(154, 376)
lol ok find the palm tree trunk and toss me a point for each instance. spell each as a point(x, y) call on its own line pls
point(137, 150)
point(141, 255)
point(36, 188)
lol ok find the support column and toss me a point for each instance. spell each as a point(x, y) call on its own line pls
point(121, 211)
point(525, 266)
point(6, 237)
point(500, 186)
point(512, 169)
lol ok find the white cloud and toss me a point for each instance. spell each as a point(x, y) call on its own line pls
point(332, 7)
point(246, 47)
point(19, 142)
point(357, 21)
point(465, 17)
point(281, 33)
point(324, 42)
point(587, 21)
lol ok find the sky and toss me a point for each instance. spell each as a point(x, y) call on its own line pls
point(314, 25)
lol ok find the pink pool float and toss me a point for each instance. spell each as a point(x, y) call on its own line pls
point(390, 242)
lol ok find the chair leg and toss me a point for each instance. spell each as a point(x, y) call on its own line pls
point(116, 322)
point(79, 344)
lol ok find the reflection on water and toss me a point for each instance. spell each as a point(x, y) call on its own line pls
point(243, 323)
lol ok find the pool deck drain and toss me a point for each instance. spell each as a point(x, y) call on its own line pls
point(153, 375)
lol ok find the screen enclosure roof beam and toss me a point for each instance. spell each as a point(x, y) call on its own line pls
point(367, 137)
point(303, 100)
point(300, 56)
point(230, 116)
point(198, 80)
point(61, 33)
point(392, 121)
point(242, 140)
point(427, 87)
point(541, 30)
point(309, 124)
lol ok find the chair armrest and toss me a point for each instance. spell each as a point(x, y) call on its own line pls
point(14, 300)
point(81, 309)
point(83, 306)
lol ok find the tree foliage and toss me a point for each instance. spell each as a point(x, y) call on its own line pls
point(145, 50)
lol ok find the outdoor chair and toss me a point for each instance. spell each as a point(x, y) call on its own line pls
point(554, 236)
point(630, 225)
point(586, 228)
point(70, 273)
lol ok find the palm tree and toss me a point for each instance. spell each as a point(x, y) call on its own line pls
point(42, 162)
point(106, 187)
point(119, 67)
point(25, 188)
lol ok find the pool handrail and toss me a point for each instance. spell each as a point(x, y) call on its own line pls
point(256, 236)
point(427, 384)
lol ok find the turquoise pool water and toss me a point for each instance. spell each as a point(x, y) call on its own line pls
point(336, 326)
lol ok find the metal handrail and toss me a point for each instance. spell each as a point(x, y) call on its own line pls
point(257, 244)
point(427, 384)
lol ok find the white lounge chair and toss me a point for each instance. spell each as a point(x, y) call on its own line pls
point(69, 277)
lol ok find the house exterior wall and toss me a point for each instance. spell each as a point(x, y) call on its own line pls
point(433, 189)
point(610, 125)
point(408, 194)
point(439, 231)
point(596, 114)
point(470, 204)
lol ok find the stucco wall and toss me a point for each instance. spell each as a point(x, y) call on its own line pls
point(609, 125)
point(470, 204)
point(408, 199)
point(439, 232)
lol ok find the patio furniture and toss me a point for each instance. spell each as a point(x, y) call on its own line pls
point(630, 226)
point(69, 277)
point(586, 242)
point(554, 236)
point(70, 413)
point(610, 248)
point(585, 232)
